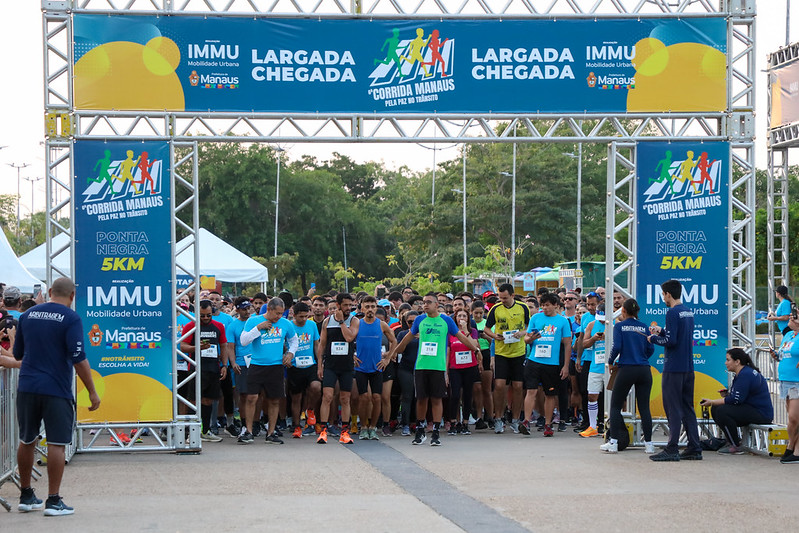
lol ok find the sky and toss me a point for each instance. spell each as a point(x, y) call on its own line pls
point(22, 123)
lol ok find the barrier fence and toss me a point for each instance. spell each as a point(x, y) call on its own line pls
point(9, 437)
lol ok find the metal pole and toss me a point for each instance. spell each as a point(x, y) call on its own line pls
point(465, 285)
point(579, 202)
point(433, 196)
point(513, 214)
point(344, 238)
point(787, 22)
point(19, 193)
point(277, 208)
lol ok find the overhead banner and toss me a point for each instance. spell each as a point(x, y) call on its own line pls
point(216, 64)
point(123, 272)
point(784, 82)
point(683, 213)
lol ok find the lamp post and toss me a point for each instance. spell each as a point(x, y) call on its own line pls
point(279, 151)
point(579, 158)
point(463, 192)
point(33, 231)
point(18, 167)
point(513, 210)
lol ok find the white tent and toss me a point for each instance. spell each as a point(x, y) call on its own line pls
point(12, 272)
point(36, 260)
point(218, 258)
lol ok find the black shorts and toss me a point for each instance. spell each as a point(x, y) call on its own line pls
point(299, 379)
point(344, 379)
point(242, 381)
point(486, 359)
point(430, 384)
point(58, 415)
point(509, 368)
point(187, 390)
point(390, 372)
point(210, 386)
point(269, 378)
point(548, 376)
point(366, 379)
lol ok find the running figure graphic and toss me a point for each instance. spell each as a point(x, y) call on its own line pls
point(664, 165)
point(391, 55)
point(704, 175)
point(144, 169)
point(415, 48)
point(125, 170)
point(104, 175)
point(435, 51)
point(686, 168)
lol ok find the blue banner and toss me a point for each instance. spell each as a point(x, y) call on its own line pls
point(683, 213)
point(123, 273)
point(201, 64)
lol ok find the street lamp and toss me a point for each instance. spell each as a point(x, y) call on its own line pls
point(513, 210)
point(33, 231)
point(579, 158)
point(463, 192)
point(18, 167)
point(279, 151)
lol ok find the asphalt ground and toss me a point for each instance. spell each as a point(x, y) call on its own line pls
point(471, 483)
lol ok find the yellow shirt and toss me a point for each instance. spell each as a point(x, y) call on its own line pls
point(509, 320)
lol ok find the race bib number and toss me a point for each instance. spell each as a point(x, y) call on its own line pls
point(508, 336)
point(183, 365)
point(339, 348)
point(599, 357)
point(429, 348)
point(463, 358)
point(543, 351)
point(247, 360)
point(210, 352)
point(303, 361)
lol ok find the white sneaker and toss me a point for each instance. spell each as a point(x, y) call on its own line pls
point(649, 448)
point(514, 425)
point(499, 426)
point(210, 437)
point(610, 447)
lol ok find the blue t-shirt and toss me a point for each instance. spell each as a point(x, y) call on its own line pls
point(233, 333)
point(307, 335)
point(268, 348)
point(587, 319)
point(553, 329)
point(789, 357)
point(369, 346)
point(16, 314)
point(783, 309)
point(49, 342)
point(224, 319)
point(677, 340)
point(598, 355)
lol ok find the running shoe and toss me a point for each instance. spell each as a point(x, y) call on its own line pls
point(420, 435)
point(386, 430)
point(790, 460)
point(345, 437)
point(649, 448)
point(580, 428)
point(322, 439)
point(610, 447)
point(256, 428)
point(480, 424)
point(273, 439)
point(524, 427)
point(731, 450)
point(406, 430)
point(373, 434)
point(434, 439)
point(282, 424)
point(333, 431)
point(297, 433)
point(464, 429)
point(514, 425)
point(561, 426)
point(664, 456)
point(691, 456)
point(233, 431)
point(138, 438)
point(490, 423)
point(210, 437)
point(548, 431)
point(453, 430)
point(308, 431)
point(29, 502)
point(245, 438)
point(57, 507)
point(310, 418)
point(499, 426)
point(364, 434)
point(590, 432)
point(540, 423)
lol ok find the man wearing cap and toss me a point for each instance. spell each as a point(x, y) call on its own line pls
point(11, 301)
point(594, 356)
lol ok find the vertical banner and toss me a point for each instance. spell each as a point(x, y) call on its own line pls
point(683, 212)
point(784, 84)
point(123, 272)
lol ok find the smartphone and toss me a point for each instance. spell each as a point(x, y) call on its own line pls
point(37, 290)
point(534, 331)
point(600, 334)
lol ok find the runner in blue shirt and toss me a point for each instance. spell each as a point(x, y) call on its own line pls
point(302, 375)
point(783, 312)
point(241, 364)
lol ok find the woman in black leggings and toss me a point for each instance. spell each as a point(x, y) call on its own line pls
point(631, 352)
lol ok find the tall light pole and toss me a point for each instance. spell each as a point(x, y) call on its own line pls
point(344, 240)
point(579, 158)
point(279, 152)
point(463, 192)
point(33, 230)
point(513, 210)
point(18, 167)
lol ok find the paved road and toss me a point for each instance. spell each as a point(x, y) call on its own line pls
point(472, 483)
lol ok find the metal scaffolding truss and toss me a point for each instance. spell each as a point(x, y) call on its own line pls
point(64, 124)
